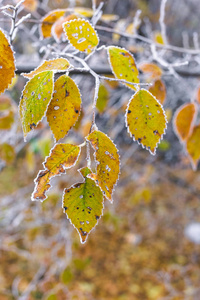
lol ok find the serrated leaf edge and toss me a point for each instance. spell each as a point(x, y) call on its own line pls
point(73, 186)
point(135, 86)
point(96, 161)
point(144, 147)
point(86, 21)
point(44, 162)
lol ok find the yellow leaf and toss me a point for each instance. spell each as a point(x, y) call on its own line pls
point(56, 65)
point(154, 71)
point(81, 35)
point(6, 120)
point(57, 29)
point(7, 153)
point(103, 97)
point(83, 205)
point(158, 90)
point(146, 120)
point(123, 65)
point(30, 5)
point(108, 164)
point(35, 99)
point(193, 147)
point(5, 102)
point(48, 21)
point(64, 108)
point(158, 38)
point(83, 11)
point(198, 95)
point(109, 18)
point(184, 119)
point(7, 63)
point(61, 158)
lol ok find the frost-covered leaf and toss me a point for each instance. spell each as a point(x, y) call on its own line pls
point(158, 90)
point(146, 120)
point(193, 147)
point(107, 159)
point(35, 99)
point(103, 97)
point(83, 205)
point(6, 120)
point(56, 65)
point(7, 153)
point(81, 35)
point(7, 63)
point(57, 29)
point(154, 71)
point(184, 119)
point(123, 65)
point(48, 21)
point(62, 157)
point(64, 108)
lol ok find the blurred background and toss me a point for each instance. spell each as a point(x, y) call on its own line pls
point(147, 244)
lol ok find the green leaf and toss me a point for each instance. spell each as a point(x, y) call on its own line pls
point(35, 99)
point(7, 153)
point(61, 158)
point(146, 120)
point(103, 97)
point(123, 65)
point(64, 108)
point(108, 164)
point(83, 205)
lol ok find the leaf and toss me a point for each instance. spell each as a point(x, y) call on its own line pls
point(193, 147)
point(35, 99)
point(5, 102)
point(48, 21)
point(198, 95)
point(146, 120)
point(6, 120)
point(64, 108)
point(61, 158)
point(158, 90)
point(108, 164)
point(57, 29)
point(154, 71)
point(7, 153)
point(83, 205)
point(103, 97)
point(81, 35)
point(123, 65)
point(83, 11)
point(56, 65)
point(158, 38)
point(7, 63)
point(184, 119)
point(30, 5)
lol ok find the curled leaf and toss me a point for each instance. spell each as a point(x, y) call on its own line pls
point(35, 99)
point(146, 120)
point(83, 205)
point(81, 35)
point(123, 65)
point(108, 164)
point(65, 106)
point(184, 119)
point(61, 158)
point(7, 63)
